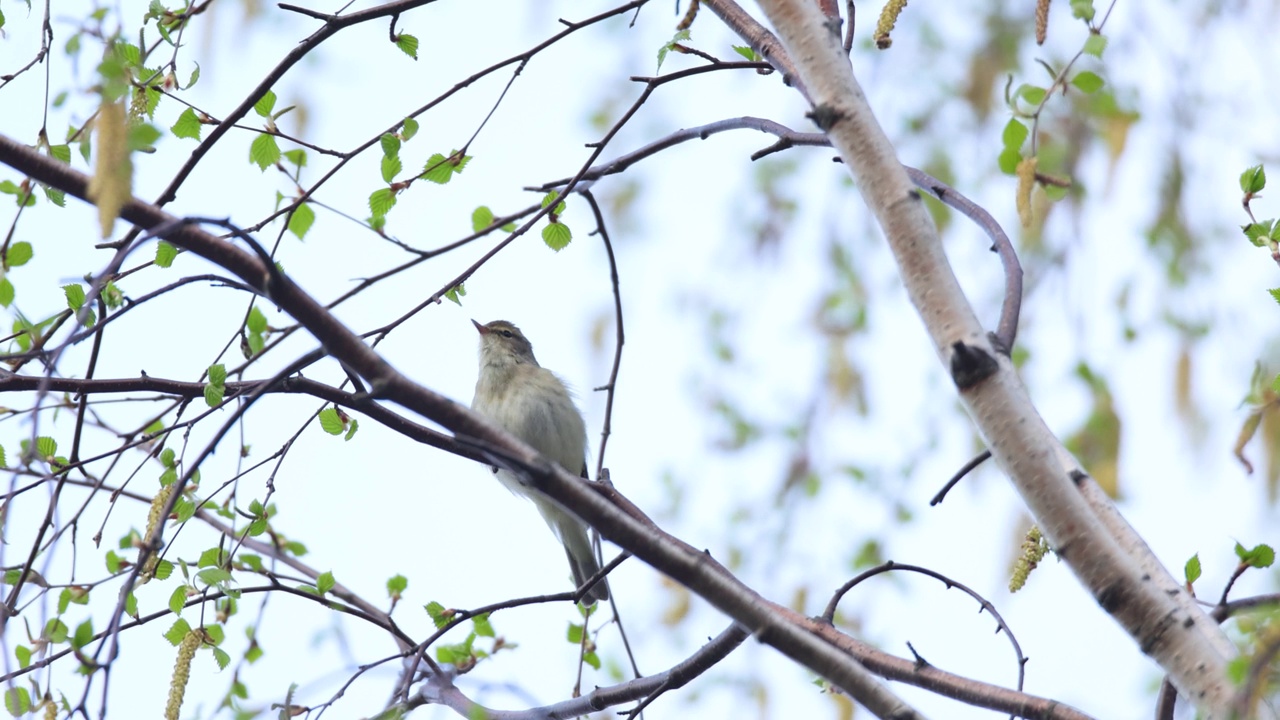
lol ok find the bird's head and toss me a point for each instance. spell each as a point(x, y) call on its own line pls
point(502, 343)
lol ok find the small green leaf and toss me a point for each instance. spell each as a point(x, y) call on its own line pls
point(409, 129)
point(1015, 133)
point(165, 253)
point(7, 292)
point(390, 145)
point(352, 426)
point(331, 422)
point(1258, 556)
point(213, 576)
point(679, 37)
point(1008, 161)
point(438, 614)
point(550, 198)
point(574, 635)
point(1192, 569)
point(187, 126)
point(397, 585)
point(1275, 295)
point(391, 166)
point(1253, 180)
point(214, 395)
point(1087, 82)
point(1095, 45)
point(1031, 94)
point(56, 631)
point(265, 104)
point(298, 157)
point(18, 255)
point(748, 53)
point(325, 582)
point(481, 218)
point(1082, 10)
point(23, 653)
point(217, 374)
point(75, 295)
point(46, 447)
point(264, 152)
point(257, 322)
point(178, 599)
point(381, 201)
point(481, 625)
point(301, 221)
point(440, 169)
point(455, 293)
point(55, 196)
point(169, 458)
point(177, 631)
point(557, 236)
point(83, 635)
point(408, 44)
point(17, 700)
point(222, 658)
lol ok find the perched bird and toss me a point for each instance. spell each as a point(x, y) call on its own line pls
point(530, 402)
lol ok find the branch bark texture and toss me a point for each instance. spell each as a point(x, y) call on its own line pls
point(1105, 555)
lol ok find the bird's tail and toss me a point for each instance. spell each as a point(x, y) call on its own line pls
point(583, 561)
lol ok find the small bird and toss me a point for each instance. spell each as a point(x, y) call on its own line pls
point(532, 403)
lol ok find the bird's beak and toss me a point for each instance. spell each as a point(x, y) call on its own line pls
point(480, 328)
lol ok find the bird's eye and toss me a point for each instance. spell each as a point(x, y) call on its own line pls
point(507, 334)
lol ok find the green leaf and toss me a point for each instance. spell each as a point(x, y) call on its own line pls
point(557, 236)
point(325, 582)
point(83, 635)
point(23, 653)
point(408, 44)
point(1275, 295)
point(17, 700)
point(1095, 45)
point(440, 169)
point(679, 37)
point(1082, 10)
point(257, 322)
point(438, 614)
point(222, 658)
point(1258, 556)
point(264, 152)
point(165, 253)
point(1008, 161)
point(164, 569)
point(75, 295)
point(143, 136)
point(1087, 82)
point(114, 562)
point(391, 166)
point(352, 426)
point(177, 631)
point(298, 157)
point(178, 599)
point(195, 76)
point(1031, 94)
point(390, 145)
point(592, 659)
point(481, 625)
point(215, 634)
point(331, 422)
point(481, 218)
point(1253, 180)
point(409, 129)
point(1015, 133)
point(574, 635)
point(214, 395)
point(455, 293)
point(218, 374)
point(550, 198)
point(55, 196)
point(6, 292)
point(213, 576)
point(61, 152)
point(18, 255)
point(397, 585)
point(746, 52)
point(301, 221)
point(265, 104)
point(1192, 569)
point(187, 126)
point(381, 202)
point(56, 631)
point(169, 458)
point(46, 447)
